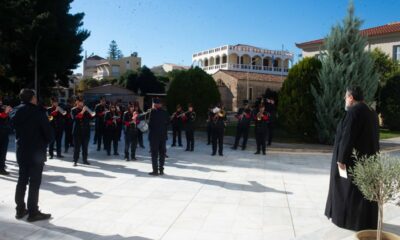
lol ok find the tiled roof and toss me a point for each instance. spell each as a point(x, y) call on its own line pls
point(369, 32)
point(254, 76)
point(95, 57)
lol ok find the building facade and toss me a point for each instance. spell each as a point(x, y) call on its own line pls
point(244, 72)
point(386, 38)
point(99, 68)
point(237, 86)
point(243, 58)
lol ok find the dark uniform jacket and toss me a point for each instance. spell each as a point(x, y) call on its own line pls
point(33, 133)
point(130, 126)
point(81, 122)
point(112, 122)
point(4, 121)
point(244, 117)
point(100, 111)
point(346, 206)
point(262, 123)
point(189, 119)
point(158, 125)
point(58, 120)
point(177, 120)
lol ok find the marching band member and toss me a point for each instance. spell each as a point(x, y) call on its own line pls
point(4, 132)
point(100, 111)
point(68, 140)
point(139, 133)
point(243, 126)
point(158, 126)
point(189, 119)
point(57, 121)
point(81, 115)
point(177, 124)
point(218, 128)
point(261, 129)
point(112, 121)
point(210, 116)
point(130, 119)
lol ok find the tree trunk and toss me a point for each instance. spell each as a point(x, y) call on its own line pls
point(380, 221)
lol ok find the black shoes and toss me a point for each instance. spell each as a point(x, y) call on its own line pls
point(153, 173)
point(264, 153)
point(233, 148)
point(173, 145)
point(86, 163)
point(187, 150)
point(257, 152)
point(213, 154)
point(60, 156)
point(39, 216)
point(116, 154)
point(4, 172)
point(221, 154)
point(51, 157)
point(75, 164)
point(161, 172)
point(142, 146)
point(21, 213)
point(134, 159)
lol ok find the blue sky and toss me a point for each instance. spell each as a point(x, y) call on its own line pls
point(172, 30)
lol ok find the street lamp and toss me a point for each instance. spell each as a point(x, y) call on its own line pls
point(36, 64)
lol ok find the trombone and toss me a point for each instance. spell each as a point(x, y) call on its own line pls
point(87, 109)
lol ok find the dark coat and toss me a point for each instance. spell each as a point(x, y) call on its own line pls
point(58, 121)
point(189, 120)
point(158, 125)
point(346, 205)
point(81, 122)
point(33, 133)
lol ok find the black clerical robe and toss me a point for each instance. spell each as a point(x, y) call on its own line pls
point(346, 206)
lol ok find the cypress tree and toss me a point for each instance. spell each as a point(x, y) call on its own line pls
point(344, 63)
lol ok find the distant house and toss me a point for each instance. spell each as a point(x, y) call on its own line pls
point(385, 37)
point(112, 93)
point(99, 68)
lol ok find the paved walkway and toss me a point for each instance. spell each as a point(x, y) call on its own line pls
point(238, 196)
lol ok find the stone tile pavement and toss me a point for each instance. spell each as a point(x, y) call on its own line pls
point(237, 196)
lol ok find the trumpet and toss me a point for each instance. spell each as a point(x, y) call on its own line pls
point(182, 114)
point(221, 113)
point(62, 111)
point(50, 117)
point(87, 109)
point(259, 116)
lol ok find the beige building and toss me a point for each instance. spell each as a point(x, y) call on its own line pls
point(99, 68)
point(235, 86)
point(386, 38)
point(110, 68)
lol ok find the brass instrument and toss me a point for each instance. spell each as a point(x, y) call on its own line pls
point(221, 113)
point(60, 110)
point(50, 117)
point(259, 116)
point(87, 109)
point(145, 113)
point(182, 114)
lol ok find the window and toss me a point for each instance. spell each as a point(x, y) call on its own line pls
point(396, 53)
point(115, 70)
point(251, 93)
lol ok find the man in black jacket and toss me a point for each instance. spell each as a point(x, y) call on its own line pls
point(242, 129)
point(33, 134)
point(158, 126)
point(100, 110)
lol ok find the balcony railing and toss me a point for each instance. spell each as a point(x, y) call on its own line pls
point(246, 68)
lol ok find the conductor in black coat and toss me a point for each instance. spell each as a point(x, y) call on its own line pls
point(33, 134)
point(158, 126)
point(358, 130)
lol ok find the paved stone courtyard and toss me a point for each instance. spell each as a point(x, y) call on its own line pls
point(238, 196)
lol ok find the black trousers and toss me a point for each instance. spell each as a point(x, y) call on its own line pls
point(189, 139)
point(99, 134)
point(209, 133)
point(131, 140)
point(58, 133)
point(177, 132)
point(158, 150)
point(241, 131)
point(111, 137)
point(270, 132)
point(29, 173)
point(3, 148)
point(217, 141)
point(68, 140)
point(140, 138)
point(81, 141)
point(261, 140)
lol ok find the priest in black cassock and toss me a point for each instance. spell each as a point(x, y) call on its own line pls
point(358, 130)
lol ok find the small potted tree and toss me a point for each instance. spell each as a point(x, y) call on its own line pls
point(378, 178)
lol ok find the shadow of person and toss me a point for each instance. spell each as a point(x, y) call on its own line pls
point(47, 230)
